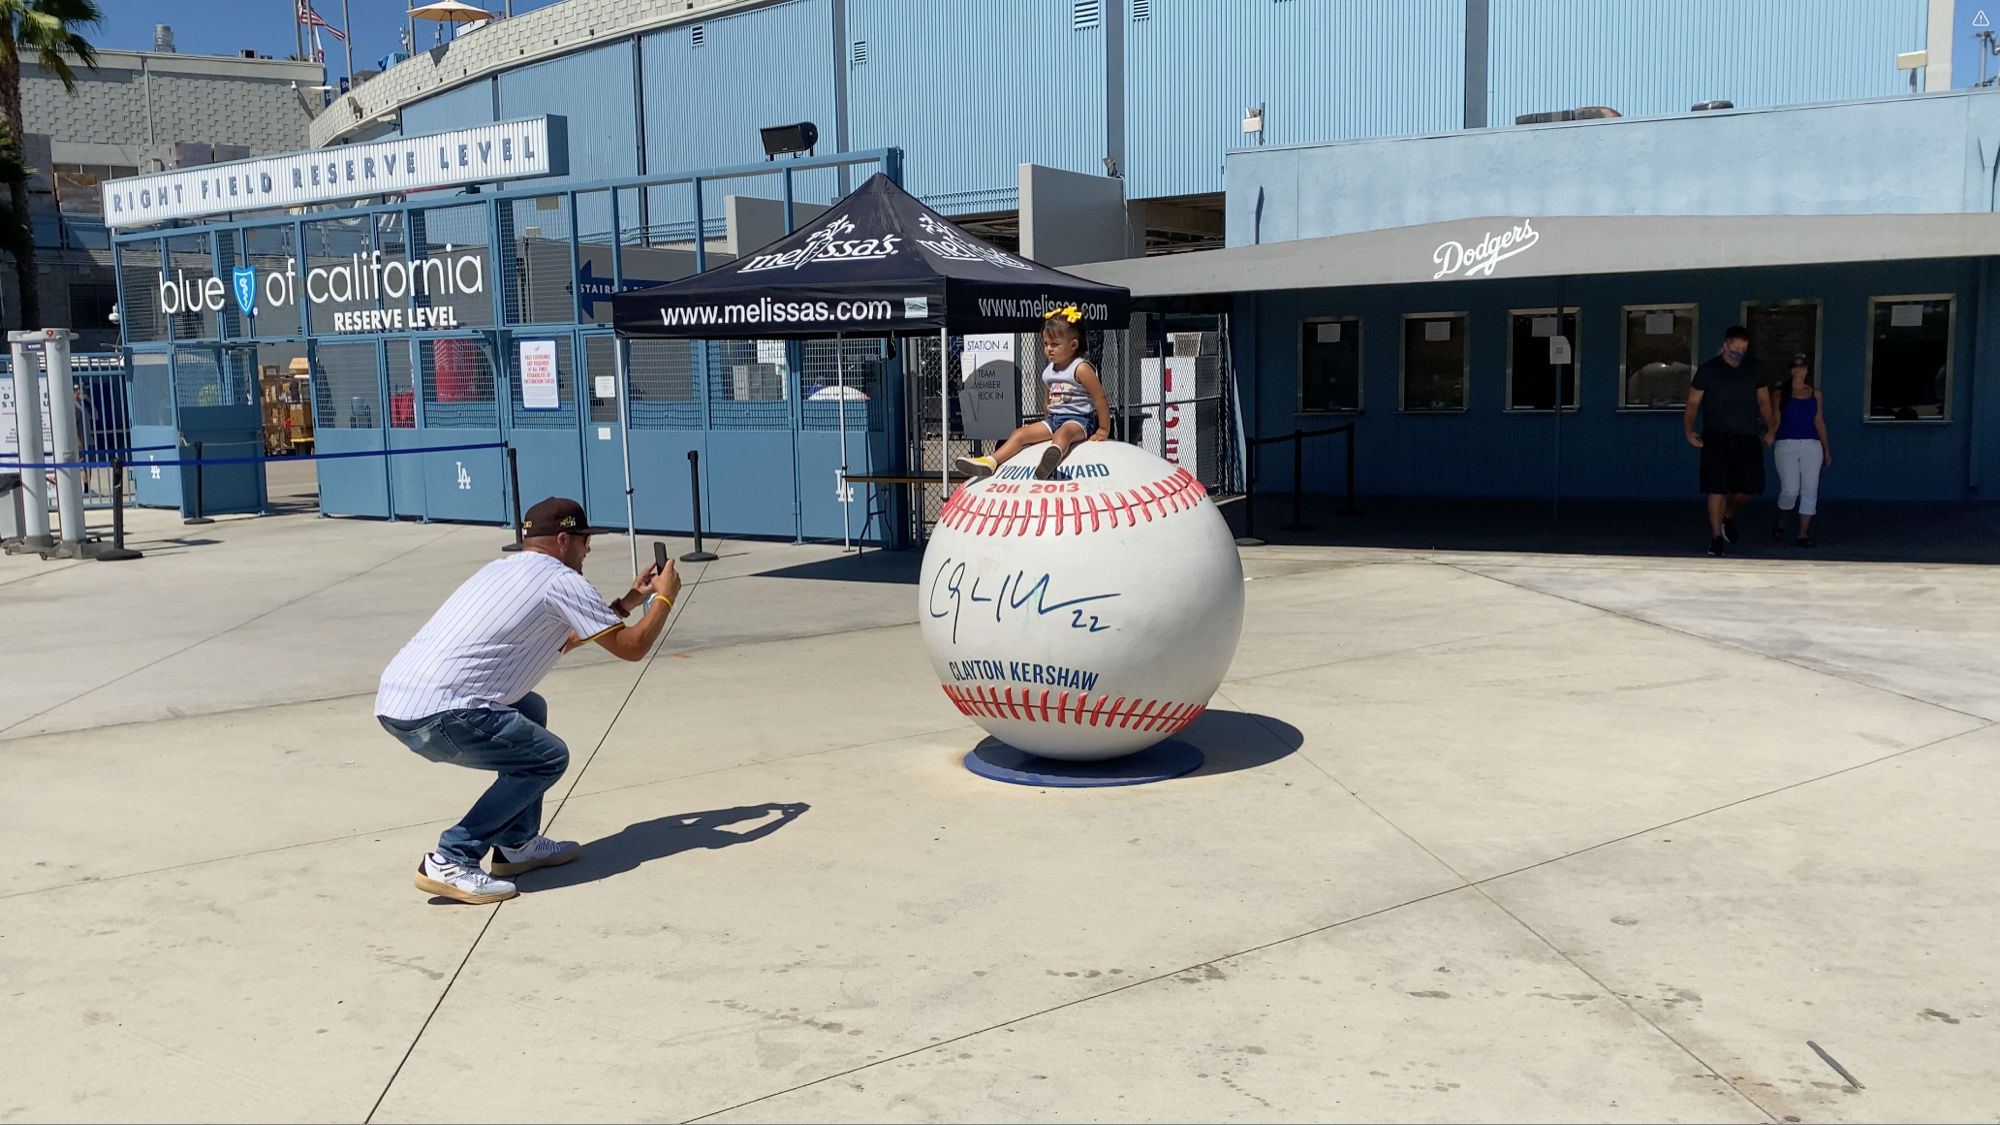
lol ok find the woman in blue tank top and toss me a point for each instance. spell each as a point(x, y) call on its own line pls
point(1800, 450)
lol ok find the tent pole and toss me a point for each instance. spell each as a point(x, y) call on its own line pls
point(944, 419)
point(618, 346)
point(840, 388)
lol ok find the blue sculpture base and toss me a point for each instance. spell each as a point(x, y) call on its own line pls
point(1162, 761)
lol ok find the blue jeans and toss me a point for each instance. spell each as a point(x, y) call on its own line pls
point(515, 744)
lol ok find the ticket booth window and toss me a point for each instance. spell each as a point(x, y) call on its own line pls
point(1778, 331)
point(1658, 356)
point(1531, 372)
point(1436, 362)
point(1330, 365)
point(1909, 359)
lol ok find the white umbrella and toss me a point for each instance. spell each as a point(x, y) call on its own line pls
point(448, 11)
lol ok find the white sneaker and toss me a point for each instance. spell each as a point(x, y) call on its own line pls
point(538, 852)
point(439, 876)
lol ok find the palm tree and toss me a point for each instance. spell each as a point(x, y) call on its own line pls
point(49, 30)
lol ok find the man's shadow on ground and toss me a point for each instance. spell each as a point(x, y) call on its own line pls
point(648, 840)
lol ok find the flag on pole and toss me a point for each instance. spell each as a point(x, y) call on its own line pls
point(315, 21)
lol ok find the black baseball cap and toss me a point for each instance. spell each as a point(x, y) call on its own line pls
point(555, 516)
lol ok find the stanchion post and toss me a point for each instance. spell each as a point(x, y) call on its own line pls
point(1350, 510)
point(694, 482)
point(118, 551)
point(1298, 483)
point(198, 516)
point(1249, 536)
point(514, 490)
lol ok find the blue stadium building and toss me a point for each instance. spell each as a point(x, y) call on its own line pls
point(1280, 184)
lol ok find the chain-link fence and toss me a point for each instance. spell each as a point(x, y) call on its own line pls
point(1167, 383)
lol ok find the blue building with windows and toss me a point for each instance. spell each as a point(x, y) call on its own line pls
point(1224, 130)
point(1861, 234)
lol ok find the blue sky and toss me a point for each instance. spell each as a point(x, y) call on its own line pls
point(209, 27)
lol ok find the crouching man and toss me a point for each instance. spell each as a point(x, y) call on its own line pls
point(462, 691)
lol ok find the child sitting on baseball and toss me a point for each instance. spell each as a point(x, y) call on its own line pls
point(1076, 407)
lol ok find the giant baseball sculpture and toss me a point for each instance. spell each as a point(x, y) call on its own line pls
point(1084, 617)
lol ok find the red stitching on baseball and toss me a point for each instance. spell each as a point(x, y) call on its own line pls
point(1153, 715)
point(995, 516)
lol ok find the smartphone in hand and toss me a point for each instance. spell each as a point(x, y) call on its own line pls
point(659, 555)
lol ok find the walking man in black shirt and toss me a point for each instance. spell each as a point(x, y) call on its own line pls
point(1737, 422)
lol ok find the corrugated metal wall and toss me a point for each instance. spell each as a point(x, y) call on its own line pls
point(453, 109)
point(1324, 70)
point(1662, 56)
point(704, 104)
point(970, 92)
point(593, 89)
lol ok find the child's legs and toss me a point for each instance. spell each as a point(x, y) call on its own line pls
point(1069, 434)
point(1022, 438)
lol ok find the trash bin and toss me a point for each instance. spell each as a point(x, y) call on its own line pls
point(13, 523)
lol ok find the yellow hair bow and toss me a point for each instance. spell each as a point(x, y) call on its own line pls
point(1067, 312)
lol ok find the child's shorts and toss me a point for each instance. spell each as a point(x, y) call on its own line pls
point(1055, 422)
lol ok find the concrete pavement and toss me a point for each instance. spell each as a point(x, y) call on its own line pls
point(1482, 836)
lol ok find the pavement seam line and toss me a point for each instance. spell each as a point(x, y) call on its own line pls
point(1127, 986)
point(1735, 645)
point(1788, 786)
point(547, 822)
point(1463, 885)
point(1476, 886)
point(1625, 1001)
point(225, 632)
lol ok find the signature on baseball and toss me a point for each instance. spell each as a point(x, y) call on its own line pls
point(1015, 593)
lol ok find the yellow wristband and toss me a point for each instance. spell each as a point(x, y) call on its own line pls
point(666, 601)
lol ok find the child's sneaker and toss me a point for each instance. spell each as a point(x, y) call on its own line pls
point(976, 467)
point(1052, 459)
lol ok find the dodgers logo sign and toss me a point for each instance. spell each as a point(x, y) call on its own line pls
point(1482, 256)
point(246, 289)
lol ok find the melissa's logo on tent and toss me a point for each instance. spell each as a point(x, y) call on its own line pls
point(827, 245)
point(948, 243)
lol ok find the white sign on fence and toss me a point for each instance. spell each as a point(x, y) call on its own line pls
point(540, 383)
point(989, 397)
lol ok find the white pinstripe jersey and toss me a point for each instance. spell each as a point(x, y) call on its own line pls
point(493, 640)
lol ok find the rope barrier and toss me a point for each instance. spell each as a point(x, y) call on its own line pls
point(184, 463)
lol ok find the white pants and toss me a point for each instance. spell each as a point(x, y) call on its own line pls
point(1798, 474)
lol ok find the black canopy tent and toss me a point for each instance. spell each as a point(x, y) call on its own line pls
point(876, 263)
